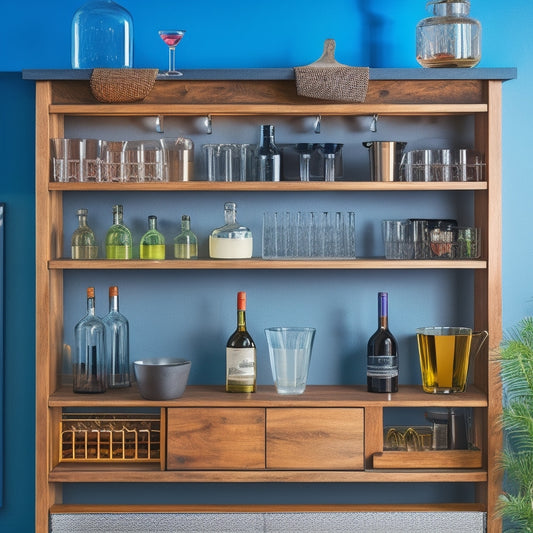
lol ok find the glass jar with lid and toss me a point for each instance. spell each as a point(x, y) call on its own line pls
point(450, 38)
point(102, 36)
point(231, 241)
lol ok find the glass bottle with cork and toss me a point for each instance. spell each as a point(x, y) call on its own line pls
point(117, 338)
point(88, 363)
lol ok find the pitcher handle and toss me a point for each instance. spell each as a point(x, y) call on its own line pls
point(480, 338)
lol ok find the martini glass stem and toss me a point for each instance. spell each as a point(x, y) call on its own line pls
point(171, 59)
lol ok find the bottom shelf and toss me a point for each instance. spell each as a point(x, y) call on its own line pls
point(65, 473)
point(269, 518)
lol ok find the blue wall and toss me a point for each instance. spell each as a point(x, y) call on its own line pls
point(36, 34)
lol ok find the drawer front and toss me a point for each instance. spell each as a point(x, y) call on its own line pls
point(315, 438)
point(216, 438)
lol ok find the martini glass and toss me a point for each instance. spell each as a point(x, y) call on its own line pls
point(171, 38)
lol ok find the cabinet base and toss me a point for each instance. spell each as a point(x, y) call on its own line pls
point(278, 522)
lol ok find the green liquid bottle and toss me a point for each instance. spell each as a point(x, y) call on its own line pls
point(186, 243)
point(83, 242)
point(152, 242)
point(118, 241)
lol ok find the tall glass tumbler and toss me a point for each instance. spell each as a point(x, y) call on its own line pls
point(290, 355)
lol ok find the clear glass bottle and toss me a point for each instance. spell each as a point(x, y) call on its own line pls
point(83, 242)
point(102, 36)
point(241, 354)
point(450, 38)
point(118, 241)
point(382, 353)
point(88, 364)
point(117, 338)
point(231, 241)
point(186, 243)
point(268, 156)
point(152, 244)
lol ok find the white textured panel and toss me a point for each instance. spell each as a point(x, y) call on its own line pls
point(409, 522)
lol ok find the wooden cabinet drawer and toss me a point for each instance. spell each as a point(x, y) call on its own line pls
point(216, 438)
point(315, 438)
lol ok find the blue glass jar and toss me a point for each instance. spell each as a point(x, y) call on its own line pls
point(102, 36)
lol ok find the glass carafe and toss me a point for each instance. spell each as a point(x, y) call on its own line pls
point(83, 242)
point(231, 241)
point(186, 242)
point(450, 38)
point(152, 245)
point(102, 36)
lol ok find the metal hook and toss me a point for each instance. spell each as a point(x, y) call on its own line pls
point(159, 127)
point(317, 123)
point(209, 124)
point(374, 123)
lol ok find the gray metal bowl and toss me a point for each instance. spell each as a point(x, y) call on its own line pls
point(162, 378)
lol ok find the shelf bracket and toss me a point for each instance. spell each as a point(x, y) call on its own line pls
point(318, 121)
point(374, 123)
point(208, 124)
point(159, 124)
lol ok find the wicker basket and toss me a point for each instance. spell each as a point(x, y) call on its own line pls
point(122, 85)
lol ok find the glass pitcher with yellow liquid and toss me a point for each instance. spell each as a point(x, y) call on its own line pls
point(445, 356)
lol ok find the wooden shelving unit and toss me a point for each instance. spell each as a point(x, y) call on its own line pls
point(399, 92)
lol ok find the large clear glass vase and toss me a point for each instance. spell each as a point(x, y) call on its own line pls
point(102, 36)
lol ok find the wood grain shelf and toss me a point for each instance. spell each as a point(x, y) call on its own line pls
point(289, 186)
point(264, 264)
point(61, 474)
point(266, 396)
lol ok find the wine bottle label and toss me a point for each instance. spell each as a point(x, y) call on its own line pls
point(382, 366)
point(240, 365)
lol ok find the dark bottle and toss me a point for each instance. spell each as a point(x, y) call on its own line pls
point(268, 156)
point(382, 353)
point(240, 354)
point(88, 365)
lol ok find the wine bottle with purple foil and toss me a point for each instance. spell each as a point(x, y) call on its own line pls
point(382, 353)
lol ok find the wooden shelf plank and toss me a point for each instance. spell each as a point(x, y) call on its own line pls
point(266, 396)
point(299, 186)
point(139, 109)
point(263, 264)
point(112, 474)
point(428, 459)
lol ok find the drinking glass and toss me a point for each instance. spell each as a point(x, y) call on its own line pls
point(171, 38)
point(290, 355)
point(396, 239)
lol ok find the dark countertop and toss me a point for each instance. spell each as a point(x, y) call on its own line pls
point(507, 73)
